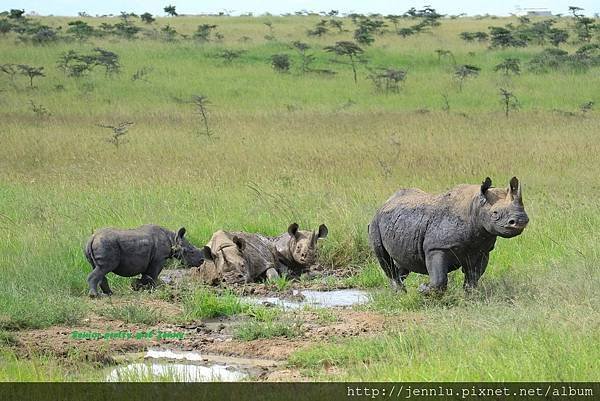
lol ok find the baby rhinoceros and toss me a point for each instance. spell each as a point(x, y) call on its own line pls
point(143, 250)
point(435, 234)
point(296, 249)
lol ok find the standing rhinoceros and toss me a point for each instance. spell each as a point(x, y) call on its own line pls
point(435, 234)
point(143, 250)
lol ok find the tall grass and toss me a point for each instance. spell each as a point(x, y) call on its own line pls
point(310, 149)
point(530, 335)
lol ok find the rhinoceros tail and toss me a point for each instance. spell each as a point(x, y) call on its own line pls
point(385, 260)
point(89, 253)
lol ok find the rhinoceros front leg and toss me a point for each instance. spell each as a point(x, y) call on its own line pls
point(144, 282)
point(437, 263)
point(150, 277)
point(272, 274)
point(474, 269)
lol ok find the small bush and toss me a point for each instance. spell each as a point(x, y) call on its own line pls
point(281, 62)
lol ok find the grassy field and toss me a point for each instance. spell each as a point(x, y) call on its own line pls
point(313, 149)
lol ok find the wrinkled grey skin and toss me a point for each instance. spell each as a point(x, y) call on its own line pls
point(143, 250)
point(297, 249)
point(251, 258)
point(435, 234)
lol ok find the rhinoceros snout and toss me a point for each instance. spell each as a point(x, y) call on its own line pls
point(519, 221)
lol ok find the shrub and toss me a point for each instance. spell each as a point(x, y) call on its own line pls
point(147, 18)
point(281, 62)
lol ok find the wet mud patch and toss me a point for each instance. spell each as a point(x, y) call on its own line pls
point(208, 348)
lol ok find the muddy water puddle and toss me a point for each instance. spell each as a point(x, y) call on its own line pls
point(312, 298)
point(182, 366)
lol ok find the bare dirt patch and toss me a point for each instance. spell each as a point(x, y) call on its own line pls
point(213, 338)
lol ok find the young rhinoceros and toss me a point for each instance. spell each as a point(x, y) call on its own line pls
point(143, 250)
point(435, 234)
point(236, 258)
point(297, 249)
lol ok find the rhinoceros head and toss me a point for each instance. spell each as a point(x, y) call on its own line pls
point(186, 252)
point(226, 257)
point(303, 244)
point(502, 212)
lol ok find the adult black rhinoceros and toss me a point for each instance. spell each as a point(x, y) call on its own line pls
point(435, 234)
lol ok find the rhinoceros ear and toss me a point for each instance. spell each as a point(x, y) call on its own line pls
point(293, 229)
point(514, 189)
point(486, 184)
point(323, 231)
point(239, 242)
point(207, 253)
point(180, 233)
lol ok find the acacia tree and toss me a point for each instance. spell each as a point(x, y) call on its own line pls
point(463, 72)
point(509, 100)
point(170, 10)
point(307, 59)
point(348, 49)
point(509, 65)
point(31, 72)
point(117, 132)
point(201, 101)
point(9, 69)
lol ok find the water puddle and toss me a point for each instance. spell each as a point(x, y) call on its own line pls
point(319, 299)
point(178, 366)
point(177, 372)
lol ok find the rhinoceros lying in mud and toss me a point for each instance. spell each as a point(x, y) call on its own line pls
point(434, 234)
point(238, 257)
point(297, 249)
point(143, 250)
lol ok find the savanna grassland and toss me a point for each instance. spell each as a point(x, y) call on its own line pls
point(311, 148)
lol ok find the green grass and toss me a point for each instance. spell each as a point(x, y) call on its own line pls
point(205, 303)
point(317, 150)
point(504, 332)
point(131, 313)
point(254, 329)
point(280, 283)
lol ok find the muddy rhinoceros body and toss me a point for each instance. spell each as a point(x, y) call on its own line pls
point(236, 258)
point(434, 234)
point(143, 250)
point(239, 257)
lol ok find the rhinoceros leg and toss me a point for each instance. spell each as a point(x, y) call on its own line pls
point(104, 286)
point(151, 275)
point(94, 278)
point(437, 263)
point(144, 282)
point(272, 274)
point(474, 270)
